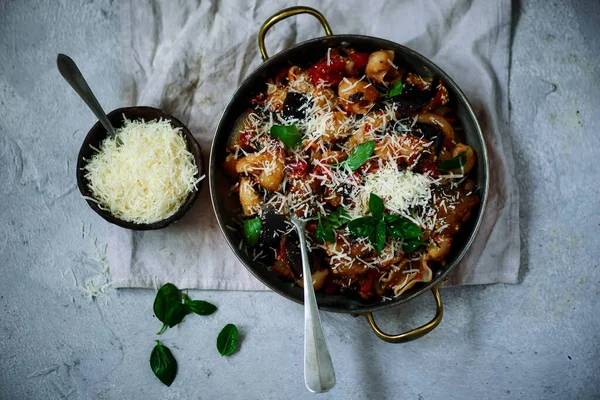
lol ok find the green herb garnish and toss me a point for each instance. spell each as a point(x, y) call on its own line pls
point(377, 226)
point(167, 298)
point(171, 306)
point(396, 88)
point(227, 340)
point(252, 229)
point(379, 242)
point(455, 163)
point(326, 225)
point(376, 206)
point(176, 314)
point(411, 245)
point(199, 307)
point(288, 134)
point(359, 155)
point(163, 364)
point(401, 228)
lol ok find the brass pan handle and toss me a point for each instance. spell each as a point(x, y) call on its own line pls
point(283, 14)
point(415, 333)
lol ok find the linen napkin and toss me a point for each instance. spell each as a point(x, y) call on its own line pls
point(187, 57)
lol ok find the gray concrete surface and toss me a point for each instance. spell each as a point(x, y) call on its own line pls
point(535, 340)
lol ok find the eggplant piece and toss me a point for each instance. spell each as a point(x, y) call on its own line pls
point(274, 225)
point(295, 105)
point(289, 250)
point(430, 132)
point(290, 253)
point(411, 99)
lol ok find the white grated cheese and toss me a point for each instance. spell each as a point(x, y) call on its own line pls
point(400, 190)
point(146, 178)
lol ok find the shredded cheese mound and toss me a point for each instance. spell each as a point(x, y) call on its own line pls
point(145, 174)
point(401, 191)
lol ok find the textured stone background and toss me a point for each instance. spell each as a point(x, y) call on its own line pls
point(536, 340)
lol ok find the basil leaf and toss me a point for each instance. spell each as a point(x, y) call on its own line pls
point(379, 242)
point(392, 219)
point(252, 229)
point(337, 218)
point(166, 298)
point(401, 228)
point(288, 134)
point(176, 314)
point(376, 205)
point(362, 227)
point(454, 163)
point(411, 245)
point(373, 236)
point(396, 88)
point(163, 364)
point(201, 307)
point(359, 155)
point(324, 233)
point(227, 340)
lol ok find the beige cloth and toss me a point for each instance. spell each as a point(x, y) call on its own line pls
point(188, 57)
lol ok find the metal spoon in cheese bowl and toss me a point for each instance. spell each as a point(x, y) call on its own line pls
point(138, 167)
point(68, 69)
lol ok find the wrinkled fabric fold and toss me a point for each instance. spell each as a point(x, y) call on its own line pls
point(188, 57)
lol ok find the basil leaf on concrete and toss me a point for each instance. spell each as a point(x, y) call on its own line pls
point(201, 307)
point(163, 364)
point(227, 340)
point(167, 297)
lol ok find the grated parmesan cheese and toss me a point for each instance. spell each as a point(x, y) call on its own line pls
point(402, 191)
point(147, 176)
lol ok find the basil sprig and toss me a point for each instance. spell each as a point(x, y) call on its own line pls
point(454, 163)
point(378, 226)
point(359, 155)
point(171, 306)
point(288, 134)
point(163, 364)
point(326, 225)
point(199, 307)
point(227, 340)
point(396, 88)
point(252, 229)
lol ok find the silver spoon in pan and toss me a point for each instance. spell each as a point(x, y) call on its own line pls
point(319, 375)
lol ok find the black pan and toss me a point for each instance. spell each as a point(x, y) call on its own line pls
point(227, 206)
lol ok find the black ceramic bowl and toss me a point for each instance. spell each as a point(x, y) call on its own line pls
point(227, 207)
point(97, 134)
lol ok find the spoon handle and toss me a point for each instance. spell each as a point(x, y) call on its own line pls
point(319, 375)
point(68, 69)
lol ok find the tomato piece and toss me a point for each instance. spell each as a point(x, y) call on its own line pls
point(429, 166)
point(366, 285)
point(360, 59)
point(297, 169)
point(246, 138)
point(325, 74)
